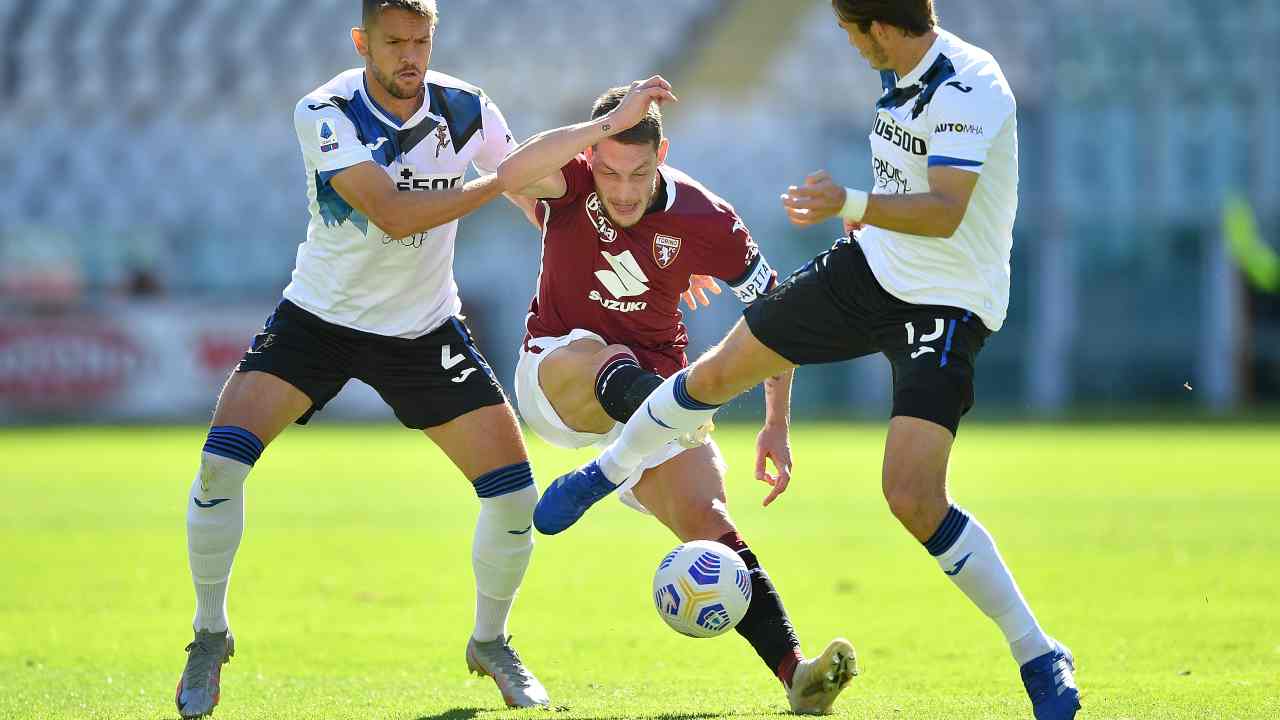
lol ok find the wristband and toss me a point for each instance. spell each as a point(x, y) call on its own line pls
point(855, 205)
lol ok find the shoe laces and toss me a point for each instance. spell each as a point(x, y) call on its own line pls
point(514, 669)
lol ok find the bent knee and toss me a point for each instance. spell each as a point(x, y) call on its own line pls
point(703, 521)
point(609, 352)
point(905, 503)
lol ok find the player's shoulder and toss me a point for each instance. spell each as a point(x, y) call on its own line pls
point(342, 86)
point(455, 85)
point(686, 197)
point(978, 76)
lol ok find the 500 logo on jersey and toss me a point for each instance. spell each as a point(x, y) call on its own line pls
point(410, 181)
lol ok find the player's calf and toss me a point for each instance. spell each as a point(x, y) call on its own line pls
point(502, 545)
point(766, 625)
point(215, 518)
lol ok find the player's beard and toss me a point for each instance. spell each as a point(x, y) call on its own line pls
point(876, 54)
point(388, 83)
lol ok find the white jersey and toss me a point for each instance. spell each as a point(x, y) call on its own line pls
point(349, 271)
point(954, 109)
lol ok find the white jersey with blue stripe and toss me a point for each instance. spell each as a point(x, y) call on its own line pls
point(954, 109)
point(351, 273)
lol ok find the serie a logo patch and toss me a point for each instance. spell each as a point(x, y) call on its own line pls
point(328, 135)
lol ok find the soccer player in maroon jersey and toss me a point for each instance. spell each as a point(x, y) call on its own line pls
point(623, 236)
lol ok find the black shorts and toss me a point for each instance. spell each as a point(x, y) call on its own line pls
point(834, 309)
point(427, 381)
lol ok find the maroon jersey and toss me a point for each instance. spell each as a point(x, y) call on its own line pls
point(624, 284)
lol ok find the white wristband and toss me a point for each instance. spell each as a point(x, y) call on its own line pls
point(855, 205)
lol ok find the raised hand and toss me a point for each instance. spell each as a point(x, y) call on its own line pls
point(635, 105)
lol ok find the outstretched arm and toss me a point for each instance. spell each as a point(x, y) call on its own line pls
point(533, 170)
point(773, 442)
point(936, 213)
point(401, 214)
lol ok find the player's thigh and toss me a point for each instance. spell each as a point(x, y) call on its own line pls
point(261, 403)
point(933, 351)
point(686, 493)
point(292, 367)
point(817, 315)
point(440, 383)
point(737, 364)
point(567, 377)
point(481, 440)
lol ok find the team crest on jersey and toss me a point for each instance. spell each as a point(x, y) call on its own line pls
point(665, 250)
point(595, 213)
point(328, 135)
point(442, 138)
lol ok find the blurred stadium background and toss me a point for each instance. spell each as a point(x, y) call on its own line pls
point(154, 191)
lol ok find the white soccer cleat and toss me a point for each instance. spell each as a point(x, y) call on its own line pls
point(691, 440)
point(498, 660)
point(818, 681)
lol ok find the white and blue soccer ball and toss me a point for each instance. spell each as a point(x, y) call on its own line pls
point(702, 589)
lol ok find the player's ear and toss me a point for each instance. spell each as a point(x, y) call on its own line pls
point(590, 153)
point(663, 147)
point(360, 38)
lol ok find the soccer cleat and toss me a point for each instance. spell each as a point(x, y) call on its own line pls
point(698, 437)
point(818, 681)
point(198, 688)
point(566, 499)
point(1051, 684)
point(498, 660)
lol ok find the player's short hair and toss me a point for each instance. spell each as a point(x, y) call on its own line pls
point(915, 17)
point(648, 130)
point(423, 8)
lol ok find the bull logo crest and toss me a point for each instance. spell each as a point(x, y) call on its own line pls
point(665, 250)
point(442, 138)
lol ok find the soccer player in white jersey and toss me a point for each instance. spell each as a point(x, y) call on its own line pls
point(922, 278)
point(373, 297)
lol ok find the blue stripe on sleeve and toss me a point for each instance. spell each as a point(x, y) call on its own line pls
point(953, 162)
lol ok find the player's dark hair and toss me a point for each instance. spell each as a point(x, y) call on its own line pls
point(423, 8)
point(648, 130)
point(915, 17)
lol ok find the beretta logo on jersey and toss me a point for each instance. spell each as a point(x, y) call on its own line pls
point(596, 215)
point(665, 250)
point(327, 134)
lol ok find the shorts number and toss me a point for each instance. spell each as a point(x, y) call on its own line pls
point(911, 337)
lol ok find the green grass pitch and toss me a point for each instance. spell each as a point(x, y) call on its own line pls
point(1153, 551)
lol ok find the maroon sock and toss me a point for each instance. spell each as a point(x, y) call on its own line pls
point(766, 625)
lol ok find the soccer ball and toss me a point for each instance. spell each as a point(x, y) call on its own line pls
point(702, 589)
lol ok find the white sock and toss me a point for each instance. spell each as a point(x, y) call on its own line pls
point(213, 535)
point(215, 519)
point(668, 413)
point(502, 545)
point(965, 551)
